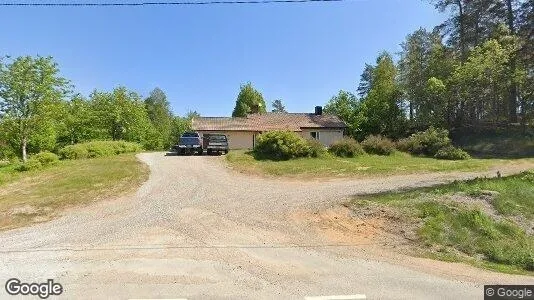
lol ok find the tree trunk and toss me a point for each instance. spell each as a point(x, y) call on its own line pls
point(461, 17)
point(23, 146)
point(512, 91)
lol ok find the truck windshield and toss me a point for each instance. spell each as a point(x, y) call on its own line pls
point(189, 140)
point(218, 138)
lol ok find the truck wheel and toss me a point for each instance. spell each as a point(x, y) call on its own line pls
point(200, 152)
point(209, 152)
point(225, 151)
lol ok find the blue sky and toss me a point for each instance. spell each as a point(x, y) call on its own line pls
point(199, 55)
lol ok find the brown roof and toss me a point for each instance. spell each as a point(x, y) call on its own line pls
point(268, 121)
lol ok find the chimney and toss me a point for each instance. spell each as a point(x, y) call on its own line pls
point(318, 110)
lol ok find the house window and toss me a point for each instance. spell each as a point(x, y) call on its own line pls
point(315, 135)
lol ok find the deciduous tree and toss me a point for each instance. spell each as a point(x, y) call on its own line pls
point(31, 91)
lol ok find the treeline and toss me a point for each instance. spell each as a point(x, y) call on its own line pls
point(39, 112)
point(474, 70)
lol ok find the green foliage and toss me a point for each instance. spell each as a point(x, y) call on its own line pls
point(346, 147)
point(317, 149)
point(98, 149)
point(281, 145)
point(46, 158)
point(380, 111)
point(452, 153)
point(30, 165)
point(30, 96)
point(345, 106)
point(160, 115)
point(473, 233)
point(249, 101)
point(465, 228)
point(278, 106)
point(427, 142)
point(377, 144)
point(76, 151)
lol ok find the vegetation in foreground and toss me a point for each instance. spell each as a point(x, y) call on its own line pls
point(488, 222)
point(39, 195)
point(364, 165)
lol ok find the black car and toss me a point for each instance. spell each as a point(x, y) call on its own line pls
point(190, 143)
point(216, 143)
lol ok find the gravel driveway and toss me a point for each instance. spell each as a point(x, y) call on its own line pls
point(197, 230)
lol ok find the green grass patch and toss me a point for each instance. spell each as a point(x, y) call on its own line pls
point(508, 142)
point(463, 230)
point(39, 195)
point(331, 166)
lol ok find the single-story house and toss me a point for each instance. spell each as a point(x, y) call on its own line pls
point(242, 131)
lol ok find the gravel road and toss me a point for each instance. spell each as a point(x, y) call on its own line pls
point(198, 230)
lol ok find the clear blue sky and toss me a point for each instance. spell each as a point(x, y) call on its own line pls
point(199, 55)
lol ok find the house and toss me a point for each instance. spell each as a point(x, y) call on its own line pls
point(242, 132)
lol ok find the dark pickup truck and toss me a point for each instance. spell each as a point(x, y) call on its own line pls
point(190, 143)
point(216, 143)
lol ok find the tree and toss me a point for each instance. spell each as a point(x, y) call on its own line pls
point(160, 115)
point(192, 114)
point(366, 80)
point(77, 122)
point(424, 57)
point(345, 106)
point(30, 93)
point(179, 126)
point(380, 111)
point(278, 106)
point(121, 115)
point(414, 71)
point(483, 82)
point(249, 101)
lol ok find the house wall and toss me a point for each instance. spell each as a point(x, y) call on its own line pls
point(244, 139)
point(326, 136)
point(236, 139)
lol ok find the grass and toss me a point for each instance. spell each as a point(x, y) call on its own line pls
point(331, 166)
point(450, 230)
point(510, 142)
point(35, 196)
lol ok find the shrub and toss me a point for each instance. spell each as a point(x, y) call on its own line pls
point(452, 153)
point(29, 165)
point(47, 158)
point(427, 142)
point(377, 144)
point(4, 163)
point(281, 145)
point(346, 147)
point(98, 149)
point(77, 151)
point(317, 149)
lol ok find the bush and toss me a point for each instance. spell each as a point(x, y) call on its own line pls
point(47, 158)
point(377, 144)
point(30, 165)
point(77, 151)
point(280, 145)
point(317, 149)
point(452, 153)
point(427, 142)
point(98, 149)
point(346, 147)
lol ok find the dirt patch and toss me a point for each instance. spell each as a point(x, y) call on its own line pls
point(365, 226)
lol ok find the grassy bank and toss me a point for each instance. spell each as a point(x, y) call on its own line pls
point(39, 195)
point(487, 222)
point(330, 166)
point(510, 142)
